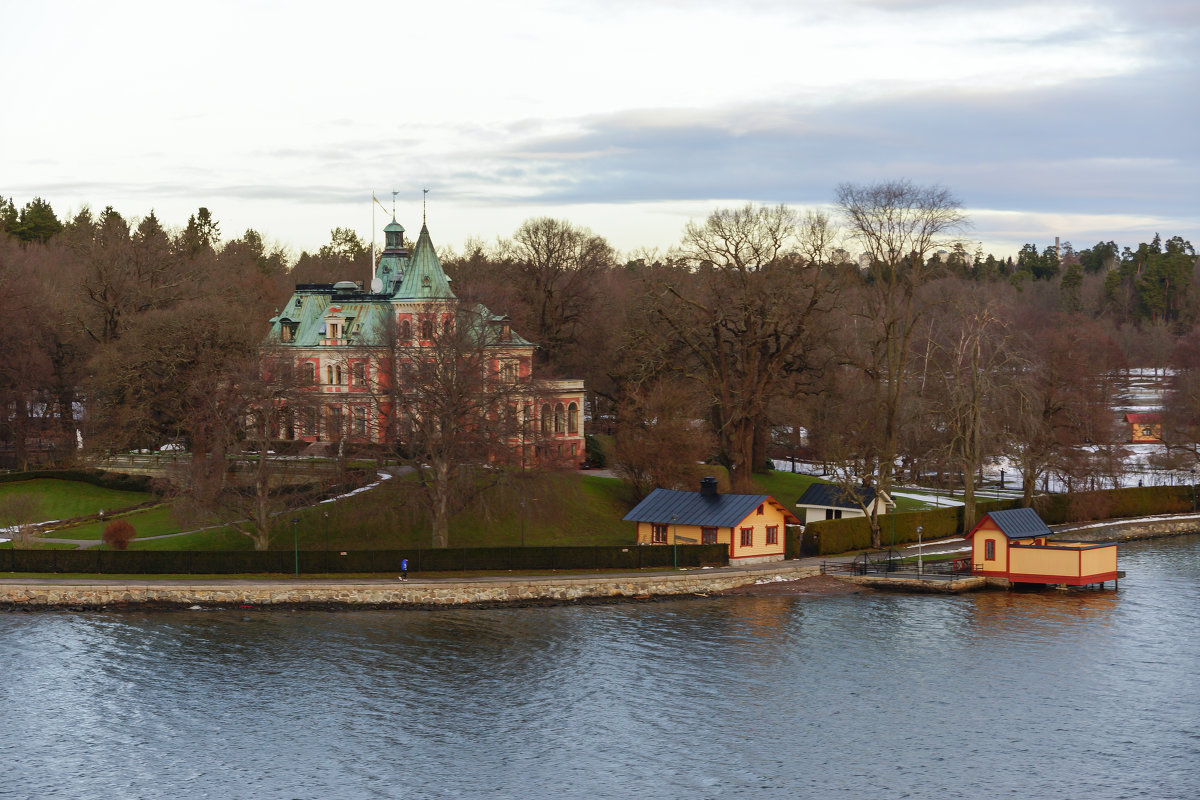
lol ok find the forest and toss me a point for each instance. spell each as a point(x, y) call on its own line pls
point(871, 337)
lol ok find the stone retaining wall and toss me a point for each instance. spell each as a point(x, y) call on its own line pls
point(414, 594)
point(1128, 530)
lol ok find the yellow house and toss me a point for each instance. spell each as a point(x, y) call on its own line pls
point(1144, 428)
point(752, 525)
point(1015, 544)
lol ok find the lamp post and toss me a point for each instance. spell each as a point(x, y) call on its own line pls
point(296, 545)
point(919, 546)
point(1193, 490)
point(675, 538)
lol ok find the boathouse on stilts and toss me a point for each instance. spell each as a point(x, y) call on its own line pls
point(1015, 545)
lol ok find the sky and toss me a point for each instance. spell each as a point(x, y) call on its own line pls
point(1077, 120)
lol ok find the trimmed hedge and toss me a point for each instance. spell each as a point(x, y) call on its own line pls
point(234, 562)
point(831, 536)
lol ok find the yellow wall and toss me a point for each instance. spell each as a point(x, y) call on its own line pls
point(989, 531)
point(772, 515)
point(1100, 560)
point(645, 534)
point(1044, 561)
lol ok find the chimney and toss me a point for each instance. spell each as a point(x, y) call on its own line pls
point(708, 487)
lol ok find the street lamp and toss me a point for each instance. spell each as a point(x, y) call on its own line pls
point(296, 545)
point(919, 545)
point(675, 538)
point(1193, 490)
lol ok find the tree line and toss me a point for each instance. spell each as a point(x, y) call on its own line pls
point(871, 338)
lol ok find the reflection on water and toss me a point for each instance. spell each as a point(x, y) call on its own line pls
point(1086, 694)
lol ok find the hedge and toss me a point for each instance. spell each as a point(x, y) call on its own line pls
point(183, 562)
point(830, 536)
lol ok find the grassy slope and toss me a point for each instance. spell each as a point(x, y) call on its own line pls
point(559, 509)
point(67, 499)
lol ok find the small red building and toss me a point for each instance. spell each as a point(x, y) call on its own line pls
point(1015, 544)
point(1144, 428)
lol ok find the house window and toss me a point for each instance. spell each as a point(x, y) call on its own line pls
point(989, 550)
point(708, 536)
point(427, 329)
point(360, 421)
point(405, 331)
point(310, 372)
point(573, 419)
point(358, 374)
point(560, 418)
point(747, 537)
point(658, 534)
point(508, 371)
point(772, 534)
point(335, 422)
point(546, 418)
point(760, 509)
point(334, 330)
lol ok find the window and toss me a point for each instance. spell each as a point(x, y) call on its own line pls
point(760, 509)
point(509, 371)
point(658, 534)
point(358, 374)
point(573, 419)
point(560, 419)
point(747, 537)
point(427, 329)
point(772, 534)
point(989, 550)
point(546, 418)
point(708, 536)
point(360, 421)
point(310, 372)
point(335, 422)
point(334, 330)
point(448, 326)
point(405, 331)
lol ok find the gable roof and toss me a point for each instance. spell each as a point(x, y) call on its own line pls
point(1015, 523)
point(695, 508)
point(833, 496)
point(1138, 419)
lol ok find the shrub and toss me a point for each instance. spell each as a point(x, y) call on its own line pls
point(594, 452)
point(119, 533)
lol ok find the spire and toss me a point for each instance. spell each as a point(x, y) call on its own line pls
point(424, 278)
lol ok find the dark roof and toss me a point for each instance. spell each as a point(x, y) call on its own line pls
point(1019, 523)
point(830, 494)
point(693, 508)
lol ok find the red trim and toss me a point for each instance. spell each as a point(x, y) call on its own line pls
point(1066, 580)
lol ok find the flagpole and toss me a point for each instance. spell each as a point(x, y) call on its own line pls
point(372, 277)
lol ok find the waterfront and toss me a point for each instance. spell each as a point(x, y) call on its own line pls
point(1037, 695)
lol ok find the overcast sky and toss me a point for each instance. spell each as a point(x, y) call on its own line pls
point(1076, 119)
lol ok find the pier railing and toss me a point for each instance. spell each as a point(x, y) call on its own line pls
point(890, 564)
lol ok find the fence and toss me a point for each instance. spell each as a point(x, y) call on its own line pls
point(469, 559)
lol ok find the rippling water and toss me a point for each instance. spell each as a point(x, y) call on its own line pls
point(1001, 694)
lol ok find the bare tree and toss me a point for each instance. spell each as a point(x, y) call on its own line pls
point(453, 406)
point(661, 437)
point(748, 317)
point(899, 225)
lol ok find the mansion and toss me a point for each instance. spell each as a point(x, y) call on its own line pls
point(340, 338)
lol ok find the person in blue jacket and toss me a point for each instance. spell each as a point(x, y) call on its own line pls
point(404, 569)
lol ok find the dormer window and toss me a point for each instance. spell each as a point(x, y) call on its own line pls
point(287, 330)
point(425, 281)
point(334, 330)
point(299, 301)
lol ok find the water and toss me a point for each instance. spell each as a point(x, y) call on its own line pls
point(1024, 695)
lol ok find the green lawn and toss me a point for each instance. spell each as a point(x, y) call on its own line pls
point(57, 499)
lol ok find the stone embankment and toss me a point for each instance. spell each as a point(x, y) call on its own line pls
point(1129, 529)
point(416, 593)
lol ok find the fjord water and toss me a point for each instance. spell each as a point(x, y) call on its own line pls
point(1044, 695)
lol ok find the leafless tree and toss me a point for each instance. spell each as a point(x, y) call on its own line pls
point(661, 437)
point(748, 316)
point(898, 225)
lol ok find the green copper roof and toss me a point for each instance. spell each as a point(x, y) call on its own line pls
point(424, 278)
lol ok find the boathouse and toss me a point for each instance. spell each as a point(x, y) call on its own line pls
point(1015, 545)
point(752, 525)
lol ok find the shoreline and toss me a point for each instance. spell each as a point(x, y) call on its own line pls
point(796, 578)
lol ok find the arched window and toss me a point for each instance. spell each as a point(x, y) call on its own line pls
point(546, 418)
point(310, 372)
point(560, 418)
point(427, 330)
point(329, 374)
point(405, 331)
point(573, 419)
point(448, 326)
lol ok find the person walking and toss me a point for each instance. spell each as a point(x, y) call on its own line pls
point(404, 569)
